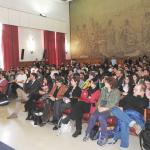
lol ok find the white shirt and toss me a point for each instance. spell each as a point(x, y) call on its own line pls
point(21, 77)
point(53, 72)
point(34, 70)
point(113, 61)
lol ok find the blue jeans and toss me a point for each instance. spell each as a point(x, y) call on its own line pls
point(101, 117)
point(124, 119)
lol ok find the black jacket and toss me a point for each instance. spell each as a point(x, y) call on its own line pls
point(75, 93)
point(135, 103)
point(32, 87)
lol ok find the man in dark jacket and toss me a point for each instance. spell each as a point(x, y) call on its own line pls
point(31, 86)
point(131, 114)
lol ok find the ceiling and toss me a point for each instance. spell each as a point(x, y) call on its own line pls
point(52, 8)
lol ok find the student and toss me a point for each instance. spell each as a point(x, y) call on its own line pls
point(132, 114)
point(71, 96)
point(110, 97)
point(87, 102)
point(32, 85)
point(55, 97)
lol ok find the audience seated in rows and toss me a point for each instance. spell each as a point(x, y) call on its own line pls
point(109, 98)
point(81, 88)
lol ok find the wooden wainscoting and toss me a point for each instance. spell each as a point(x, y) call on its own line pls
point(88, 61)
point(26, 63)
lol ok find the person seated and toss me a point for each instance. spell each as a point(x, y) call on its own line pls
point(119, 79)
point(31, 86)
point(81, 82)
point(45, 86)
point(71, 96)
point(3, 88)
point(110, 97)
point(86, 84)
point(34, 69)
point(135, 79)
point(147, 92)
point(3, 83)
point(44, 89)
point(131, 114)
point(55, 97)
point(101, 82)
point(11, 75)
point(86, 104)
point(127, 86)
point(19, 82)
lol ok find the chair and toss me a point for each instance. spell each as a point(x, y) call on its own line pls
point(146, 114)
point(111, 121)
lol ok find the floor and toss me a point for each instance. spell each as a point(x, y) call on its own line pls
point(23, 135)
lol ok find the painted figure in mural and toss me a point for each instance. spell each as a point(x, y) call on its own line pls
point(110, 37)
point(95, 29)
point(92, 35)
point(84, 40)
point(146, 31)
point(99, 40)
point(75, 41)
point(128, 37)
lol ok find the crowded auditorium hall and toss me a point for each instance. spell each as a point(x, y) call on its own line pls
point(75, 74)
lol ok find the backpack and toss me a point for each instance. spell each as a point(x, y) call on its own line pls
point(145, 137)
point(94, 134)
point(3, 99)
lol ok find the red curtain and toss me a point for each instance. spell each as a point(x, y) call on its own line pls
point(10, 46)
point(49, 46)
point(60, 48)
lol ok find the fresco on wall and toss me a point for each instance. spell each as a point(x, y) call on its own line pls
point(109, 28)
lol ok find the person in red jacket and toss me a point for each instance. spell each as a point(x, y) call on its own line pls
point(87, 103)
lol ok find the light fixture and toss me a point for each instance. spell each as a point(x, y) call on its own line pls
point(43, 15)
point(66, 0)
point(31, 44)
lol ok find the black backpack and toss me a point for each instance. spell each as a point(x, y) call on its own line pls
point(94, 134)
point(3, 99)
point(145, 137)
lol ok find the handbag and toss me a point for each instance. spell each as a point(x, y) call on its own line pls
point(63, 128)
point(66, 100)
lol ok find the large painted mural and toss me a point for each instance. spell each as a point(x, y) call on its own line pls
point(109, 28)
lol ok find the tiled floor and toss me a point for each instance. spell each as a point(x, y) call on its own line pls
point(23, 135)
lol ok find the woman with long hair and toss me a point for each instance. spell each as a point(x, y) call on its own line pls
point(110, 97)
point(87, 102)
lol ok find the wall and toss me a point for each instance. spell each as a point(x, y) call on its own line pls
point(31, 39)
point(106, 28)
point(26, 14)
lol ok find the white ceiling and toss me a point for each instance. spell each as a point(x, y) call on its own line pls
point(52, 8)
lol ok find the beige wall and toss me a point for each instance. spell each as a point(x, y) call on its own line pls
point(109, 27)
